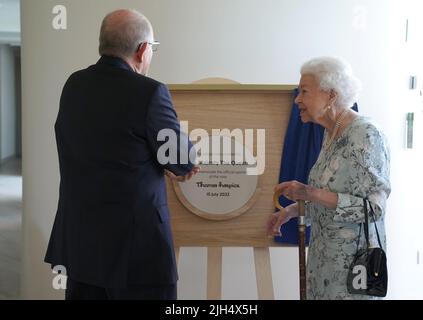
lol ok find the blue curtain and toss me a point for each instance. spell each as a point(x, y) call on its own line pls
point(303, 142)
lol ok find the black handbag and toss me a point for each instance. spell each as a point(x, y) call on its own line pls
point(368, 273)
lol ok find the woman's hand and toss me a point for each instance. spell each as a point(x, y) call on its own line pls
point(277, 219)
point(294, 190)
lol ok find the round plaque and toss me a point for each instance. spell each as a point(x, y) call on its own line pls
point(222, 189)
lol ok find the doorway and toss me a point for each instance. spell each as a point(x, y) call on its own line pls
point(10, 150)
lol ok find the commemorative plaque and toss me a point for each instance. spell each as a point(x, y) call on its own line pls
point(223, 189)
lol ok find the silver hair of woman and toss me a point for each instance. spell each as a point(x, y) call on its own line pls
point(338, 123)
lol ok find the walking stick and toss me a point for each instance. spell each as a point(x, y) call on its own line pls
point(301, 243)
point(301, 249)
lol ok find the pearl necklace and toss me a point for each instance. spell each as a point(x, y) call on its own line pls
point(338, 123)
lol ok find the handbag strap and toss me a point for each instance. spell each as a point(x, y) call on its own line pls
point(359, 237)
point(372, 213)
point(366, 222)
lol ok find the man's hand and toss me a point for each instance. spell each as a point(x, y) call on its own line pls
point(187, 177)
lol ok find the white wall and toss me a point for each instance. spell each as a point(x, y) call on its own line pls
point(7, 103)
point(250, 41)
point(406, 210)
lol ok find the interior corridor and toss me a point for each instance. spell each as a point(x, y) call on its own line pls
point(10, 228)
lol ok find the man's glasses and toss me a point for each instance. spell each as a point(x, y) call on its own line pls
point(154, 45)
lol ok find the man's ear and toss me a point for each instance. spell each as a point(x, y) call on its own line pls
point(140, 53)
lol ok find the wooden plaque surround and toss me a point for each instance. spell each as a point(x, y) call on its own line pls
point(220, 106)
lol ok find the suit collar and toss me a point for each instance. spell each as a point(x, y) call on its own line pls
point(115, 62)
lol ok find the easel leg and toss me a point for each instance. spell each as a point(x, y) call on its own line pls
point(214, 273)
point(263, 274)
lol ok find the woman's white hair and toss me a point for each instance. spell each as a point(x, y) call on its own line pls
point(334, 74)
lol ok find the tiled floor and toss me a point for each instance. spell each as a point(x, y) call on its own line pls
point(10, 228)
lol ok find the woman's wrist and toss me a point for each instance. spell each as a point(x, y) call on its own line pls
point(312, 194)
point(326, 198)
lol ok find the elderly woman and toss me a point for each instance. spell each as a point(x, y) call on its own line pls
point(352, 165)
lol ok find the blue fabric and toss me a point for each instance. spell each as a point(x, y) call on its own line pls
point(303, 142)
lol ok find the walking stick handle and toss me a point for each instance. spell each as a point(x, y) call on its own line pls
point(276, 202)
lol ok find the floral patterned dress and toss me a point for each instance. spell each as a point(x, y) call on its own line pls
point(355, 166)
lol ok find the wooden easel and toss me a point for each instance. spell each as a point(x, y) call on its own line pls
point(214, 273)
point(209, 105)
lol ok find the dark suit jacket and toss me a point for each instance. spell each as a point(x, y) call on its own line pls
point(112, 225)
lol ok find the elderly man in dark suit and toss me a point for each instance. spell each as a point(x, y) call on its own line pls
point(112, 231)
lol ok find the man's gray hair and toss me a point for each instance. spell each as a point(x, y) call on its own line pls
point(122, 31)
point(334, 74)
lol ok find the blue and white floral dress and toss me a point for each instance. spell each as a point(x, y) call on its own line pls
point(355, 166)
